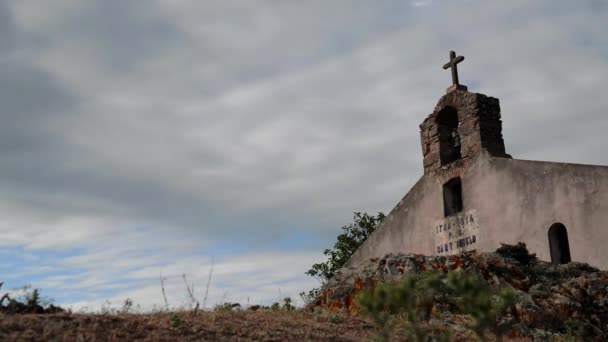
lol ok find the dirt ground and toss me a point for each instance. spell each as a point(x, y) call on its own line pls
point(204, 326)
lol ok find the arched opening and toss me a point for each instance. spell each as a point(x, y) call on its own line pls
point(452, 197)
point(449, 139)
point(558, 244)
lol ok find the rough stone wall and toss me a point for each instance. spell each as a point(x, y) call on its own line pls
point(480, 128)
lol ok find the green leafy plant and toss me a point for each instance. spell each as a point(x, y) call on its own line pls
point(346, 244)
point(518, 252)
point(33, 298)
point(309, 298)
point(177, 323)
point(404, 309)
point(486, 305)
point(287, 306)
point(276, 306)
point(402, 306)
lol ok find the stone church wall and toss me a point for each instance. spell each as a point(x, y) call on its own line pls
point(407, 227)
point(518, 200)
point(504, 200)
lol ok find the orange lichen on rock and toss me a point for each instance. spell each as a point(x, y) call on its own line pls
point(457, 263)
point(550, 294)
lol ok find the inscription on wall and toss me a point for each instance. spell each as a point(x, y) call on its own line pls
point(456, 233)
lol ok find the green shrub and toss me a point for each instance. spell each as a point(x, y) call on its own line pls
point(518, 252)
point(485, 304)
point(401, 309)
point(346, 244)
point(33, 298)
point(401, 306)
point(287, 306)
point(177, 323)
point(309, 298)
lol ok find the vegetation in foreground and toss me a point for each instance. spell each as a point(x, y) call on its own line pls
point(28, 319)
point(469, 297)
point(405, 310)
point(232, 325)
point(347, 243)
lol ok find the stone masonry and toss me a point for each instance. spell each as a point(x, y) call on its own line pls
point(479, 127)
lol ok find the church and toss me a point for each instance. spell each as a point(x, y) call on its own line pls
point(475, 196)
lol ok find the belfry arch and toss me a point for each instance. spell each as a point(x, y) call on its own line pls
point(449, 137)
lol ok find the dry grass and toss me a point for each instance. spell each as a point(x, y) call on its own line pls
point(184, 326)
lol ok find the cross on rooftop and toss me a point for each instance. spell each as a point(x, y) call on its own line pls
point(452, 64)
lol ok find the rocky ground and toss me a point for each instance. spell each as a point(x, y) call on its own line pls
point(204, 326)
point(554, 298)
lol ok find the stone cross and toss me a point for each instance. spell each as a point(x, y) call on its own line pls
point(452, 64)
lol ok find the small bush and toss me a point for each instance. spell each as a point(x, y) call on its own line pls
point(403, 308)
point(311, 296)
point(486, 305)
point(287, 306)
point(33, 298)
point(518, 252)
point(29, 302)
point(177, 323)
point(276, 306)
point(345, 246)
point(126, 306)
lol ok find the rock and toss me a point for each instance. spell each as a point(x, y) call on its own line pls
point(551, 296)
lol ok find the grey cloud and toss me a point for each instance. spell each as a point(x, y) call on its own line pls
point(259, 118)
point(8, 33)
point(30, 99)
point(121, 34)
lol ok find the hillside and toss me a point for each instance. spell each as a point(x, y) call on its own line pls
point(554, 300)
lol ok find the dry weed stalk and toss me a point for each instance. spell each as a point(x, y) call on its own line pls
point(162, 287)
point(192, 299)
point(208, 283)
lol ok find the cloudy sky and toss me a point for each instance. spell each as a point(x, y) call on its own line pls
point(140, 137)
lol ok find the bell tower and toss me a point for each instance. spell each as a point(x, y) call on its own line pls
point(462, 125)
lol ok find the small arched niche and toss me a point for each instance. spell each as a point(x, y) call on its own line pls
point(449, 138)
point(558, 244)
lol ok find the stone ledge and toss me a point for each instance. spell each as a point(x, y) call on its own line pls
point(456, 87)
